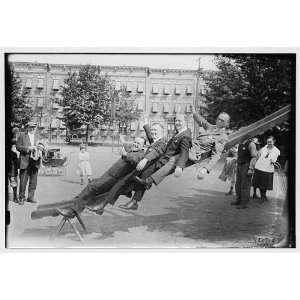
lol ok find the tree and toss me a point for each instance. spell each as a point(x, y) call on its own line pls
point(249, 87)
point(90, 98)
point(21, 111)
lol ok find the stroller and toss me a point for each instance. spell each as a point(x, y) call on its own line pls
point(54, 162)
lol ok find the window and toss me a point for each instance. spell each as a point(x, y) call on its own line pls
point(40, 102)
point(155, 107)
point(171, 128)
point(140, 106)
point(140, 88)
point(28, 84)
point(155, 89)
point(166, 108)
point(188, 108)
point(55, 106)
point(129, 87)
point(40, 84)
point(177, 90)
point(133, 126)
point(177, 108)
point(167, 90)
point(55, 85)
point(189, 90)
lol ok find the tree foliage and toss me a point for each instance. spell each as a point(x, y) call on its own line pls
point(21, 111)
point(249, 87)
point(89, 98)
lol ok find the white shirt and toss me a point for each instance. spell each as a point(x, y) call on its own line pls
point(31, 138)
point(265, 156)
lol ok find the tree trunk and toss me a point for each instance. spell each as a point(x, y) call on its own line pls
point(87, 134)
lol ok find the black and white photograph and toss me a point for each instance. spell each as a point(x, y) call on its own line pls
point(150, 150)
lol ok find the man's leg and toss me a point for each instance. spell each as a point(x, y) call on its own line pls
point(96, 187)
point(245, 185)
point(237, 186)
point(23, 182)
point(165, 170)
point(33, 174)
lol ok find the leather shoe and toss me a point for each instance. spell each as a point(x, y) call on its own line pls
point(31, 200)
point(98, 209)
point(234, 203)
point(132, 205)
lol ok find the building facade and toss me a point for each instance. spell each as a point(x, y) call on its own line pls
point(158, 93)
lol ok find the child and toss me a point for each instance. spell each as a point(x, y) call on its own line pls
point(84, 164)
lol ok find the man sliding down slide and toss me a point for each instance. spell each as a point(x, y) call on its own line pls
point(125, 165)
point(206, 149)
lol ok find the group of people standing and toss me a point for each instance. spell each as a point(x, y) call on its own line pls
point(248, 165)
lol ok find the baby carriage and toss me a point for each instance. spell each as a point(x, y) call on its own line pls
point(54, 162)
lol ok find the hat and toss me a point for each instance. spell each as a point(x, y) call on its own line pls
point(256, 141)
point(31, 124)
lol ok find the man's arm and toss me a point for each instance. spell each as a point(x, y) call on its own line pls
point(148, 133)
point(217, 152)
point(156, 149)
point(200, 120)
point(184, 145)
point(253, 154)
point(133, 157)
point(20, 145)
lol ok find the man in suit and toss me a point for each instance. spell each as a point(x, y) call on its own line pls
point(103, 184)
point(121, 185)
point(28, 166)
point(209, 144)
point(174, 157)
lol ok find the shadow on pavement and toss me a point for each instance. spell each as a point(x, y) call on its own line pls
point(205, 215)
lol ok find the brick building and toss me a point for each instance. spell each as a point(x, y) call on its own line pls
point(158, 93)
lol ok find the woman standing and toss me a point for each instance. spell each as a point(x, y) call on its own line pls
point(264, 167)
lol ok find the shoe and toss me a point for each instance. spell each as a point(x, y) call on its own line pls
point(146, 183)
point(21, 200)
point(98, 209)
point(235, 203)
point(31, 200)
point(230, 192)
point(16, 200)
point(131, 205)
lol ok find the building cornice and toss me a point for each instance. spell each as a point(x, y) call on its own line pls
point(104, 68)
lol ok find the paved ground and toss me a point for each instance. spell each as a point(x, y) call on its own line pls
point(181, 212)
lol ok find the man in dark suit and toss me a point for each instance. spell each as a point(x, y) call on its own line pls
point(177, 152)
point(28, 165)
point(113, 181)
point(118, 170)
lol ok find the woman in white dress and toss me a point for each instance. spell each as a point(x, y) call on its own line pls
point(84, 164)
point(264, 167)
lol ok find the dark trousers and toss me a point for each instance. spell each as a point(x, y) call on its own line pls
point(31, 174)
point(95, 188)
point(243, 184)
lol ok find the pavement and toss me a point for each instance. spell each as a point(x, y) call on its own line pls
point(179, 213)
